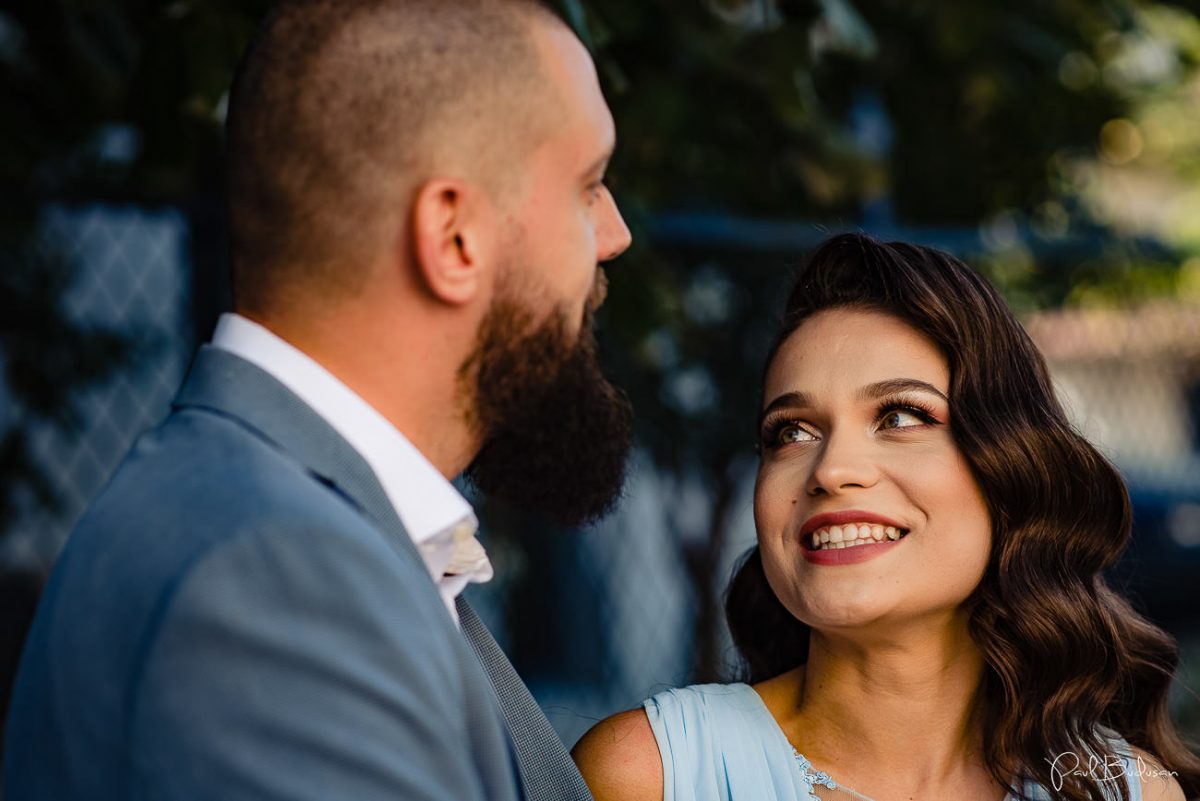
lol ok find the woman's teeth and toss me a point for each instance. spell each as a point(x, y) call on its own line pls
point(852, 534)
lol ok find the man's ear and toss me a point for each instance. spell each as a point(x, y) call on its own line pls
point(449, 231)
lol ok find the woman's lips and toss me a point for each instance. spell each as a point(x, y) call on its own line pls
point(849, 556)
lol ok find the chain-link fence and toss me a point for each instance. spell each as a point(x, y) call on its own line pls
point(129, 276)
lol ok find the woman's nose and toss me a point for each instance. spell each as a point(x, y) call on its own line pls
point(842, 464)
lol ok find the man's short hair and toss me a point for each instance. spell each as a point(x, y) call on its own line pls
point(342, 108)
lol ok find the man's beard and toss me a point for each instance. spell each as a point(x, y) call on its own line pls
point(555, 432)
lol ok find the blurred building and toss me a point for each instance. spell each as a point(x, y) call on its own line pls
point(1130, 379)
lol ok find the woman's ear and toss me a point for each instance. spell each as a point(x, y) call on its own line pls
point(449, 227)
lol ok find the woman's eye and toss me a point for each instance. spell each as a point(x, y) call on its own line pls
point(900, 418)
point(790, 434)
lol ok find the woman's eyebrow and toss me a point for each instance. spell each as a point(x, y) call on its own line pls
point(893, 385)
point(879, 389)
point(787, 399)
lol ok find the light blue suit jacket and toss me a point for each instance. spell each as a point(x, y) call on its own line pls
point(241, 615)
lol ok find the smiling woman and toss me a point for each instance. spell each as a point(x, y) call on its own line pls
point(925, 614)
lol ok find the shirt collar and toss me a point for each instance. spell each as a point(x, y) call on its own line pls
point(427, 504)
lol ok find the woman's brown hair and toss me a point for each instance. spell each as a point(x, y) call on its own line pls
point(1066, 657)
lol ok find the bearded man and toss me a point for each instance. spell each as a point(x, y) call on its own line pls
point(263, 603)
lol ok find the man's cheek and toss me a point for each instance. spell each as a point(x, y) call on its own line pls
point(599, 290)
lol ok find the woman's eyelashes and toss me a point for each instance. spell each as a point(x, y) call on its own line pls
point(900, 412)
point(892, 414)
point(783, 430)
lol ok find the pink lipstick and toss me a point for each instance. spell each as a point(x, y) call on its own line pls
point(854, 553)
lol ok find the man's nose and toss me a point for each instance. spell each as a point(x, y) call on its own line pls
point(613, 236)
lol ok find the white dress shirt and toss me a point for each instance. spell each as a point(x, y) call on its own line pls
point(436, 516)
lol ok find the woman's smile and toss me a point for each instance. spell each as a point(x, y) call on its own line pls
point(848, 537)
point(856, 442)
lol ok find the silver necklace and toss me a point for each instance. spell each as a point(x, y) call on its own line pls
point(813, 777)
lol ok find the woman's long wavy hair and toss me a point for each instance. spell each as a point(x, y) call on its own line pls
point(1064, 654)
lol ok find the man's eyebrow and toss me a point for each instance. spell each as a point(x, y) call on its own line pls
point(879, 389)
point(600, 164)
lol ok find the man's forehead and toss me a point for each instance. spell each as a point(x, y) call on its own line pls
point(571, 72)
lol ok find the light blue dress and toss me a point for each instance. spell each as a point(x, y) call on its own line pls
point(719, 742)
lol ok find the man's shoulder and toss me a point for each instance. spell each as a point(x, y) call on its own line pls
point(216, 578)
point(202, 489)
point(199, 479)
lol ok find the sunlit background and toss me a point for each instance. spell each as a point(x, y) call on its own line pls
point(1053, 145)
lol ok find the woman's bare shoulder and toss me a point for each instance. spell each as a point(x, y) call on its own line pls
point(619, 759)
point(1157, 782)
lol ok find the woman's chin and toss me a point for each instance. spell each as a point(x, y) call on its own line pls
point(844, 618)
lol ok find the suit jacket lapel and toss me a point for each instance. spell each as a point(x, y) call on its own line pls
point(229, 385)
point(547, 772)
